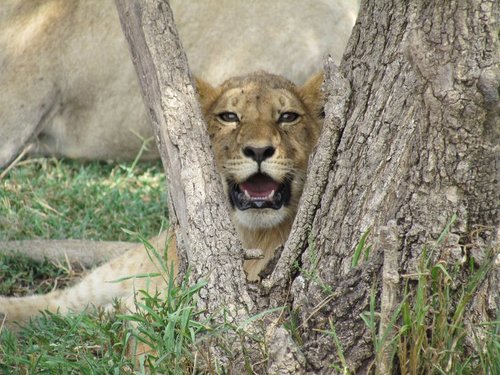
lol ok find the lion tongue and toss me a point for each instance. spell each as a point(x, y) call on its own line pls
point(259, 187)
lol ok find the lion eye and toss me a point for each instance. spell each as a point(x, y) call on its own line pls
point(288, 117)
point(228, 117)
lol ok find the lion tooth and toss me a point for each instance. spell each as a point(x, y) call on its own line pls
point(270, 196)
point(247, 195)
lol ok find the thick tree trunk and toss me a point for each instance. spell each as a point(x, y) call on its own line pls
point(418, 143)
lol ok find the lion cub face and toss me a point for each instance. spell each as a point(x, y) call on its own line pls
point(263, 129)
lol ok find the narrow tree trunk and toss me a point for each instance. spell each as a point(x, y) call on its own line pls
point(418, 143)
point(197, 209)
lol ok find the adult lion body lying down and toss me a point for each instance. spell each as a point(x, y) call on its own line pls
point(69, 87)
point(263, 129)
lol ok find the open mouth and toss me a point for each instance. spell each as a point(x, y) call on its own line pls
point(259, 191)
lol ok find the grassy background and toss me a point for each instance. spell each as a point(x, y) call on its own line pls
point(60, 199)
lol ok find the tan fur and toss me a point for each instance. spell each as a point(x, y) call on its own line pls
point(69, 87)
point(258, 99)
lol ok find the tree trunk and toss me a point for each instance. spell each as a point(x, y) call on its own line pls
point(418, 143)
point(410, 138)
point(197, 209)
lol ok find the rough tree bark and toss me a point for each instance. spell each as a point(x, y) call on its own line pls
point(197, 210)
point(410, 138)
point(419, 141)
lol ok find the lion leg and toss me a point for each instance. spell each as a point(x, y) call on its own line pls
point(118, 278)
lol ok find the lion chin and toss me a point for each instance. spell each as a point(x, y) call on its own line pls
point(261, 219)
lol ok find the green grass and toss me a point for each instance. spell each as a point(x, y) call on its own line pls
point(71, 344)
point(167, 322)
point(433, 332)
point(50, 198)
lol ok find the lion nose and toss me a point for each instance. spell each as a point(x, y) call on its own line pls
point(259, 154)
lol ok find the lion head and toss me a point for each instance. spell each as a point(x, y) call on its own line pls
point(263, 129)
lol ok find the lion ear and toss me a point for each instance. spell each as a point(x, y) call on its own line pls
point(312, 94)
point(207, 93)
